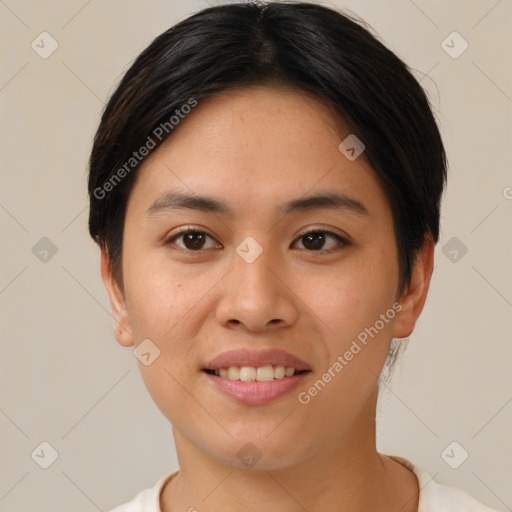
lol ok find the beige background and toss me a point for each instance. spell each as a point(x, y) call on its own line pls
point(66, 381)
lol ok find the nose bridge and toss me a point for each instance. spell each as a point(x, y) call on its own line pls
point(255, 267)
point(254, 294)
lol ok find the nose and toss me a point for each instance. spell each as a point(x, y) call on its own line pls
point(257, 296)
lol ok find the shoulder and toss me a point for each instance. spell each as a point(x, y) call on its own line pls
point(147, 500)
point(435, 497)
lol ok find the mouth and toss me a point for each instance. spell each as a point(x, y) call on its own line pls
point(256, 377)
point(255, 374)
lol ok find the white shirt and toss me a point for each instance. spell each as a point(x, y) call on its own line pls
point(433, 497)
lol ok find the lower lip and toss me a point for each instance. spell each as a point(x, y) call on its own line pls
point(256, 393)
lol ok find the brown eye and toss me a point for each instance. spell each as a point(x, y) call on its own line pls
point(314, 240)
point(192, 239)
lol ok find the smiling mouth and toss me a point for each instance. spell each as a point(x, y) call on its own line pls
point(256, 374)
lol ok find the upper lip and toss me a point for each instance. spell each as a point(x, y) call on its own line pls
point(256, 358)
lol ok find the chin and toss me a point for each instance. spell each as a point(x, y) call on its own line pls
point(259, 452)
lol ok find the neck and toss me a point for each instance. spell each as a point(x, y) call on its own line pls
point(344, 474)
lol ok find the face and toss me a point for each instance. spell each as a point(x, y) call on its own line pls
point(265, 279)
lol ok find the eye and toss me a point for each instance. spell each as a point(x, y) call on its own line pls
point(193, 239)
point(315, 239)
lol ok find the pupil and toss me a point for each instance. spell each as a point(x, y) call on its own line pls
point(194, 238)
point(319, 237)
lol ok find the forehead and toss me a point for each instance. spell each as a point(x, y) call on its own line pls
point(256, 146)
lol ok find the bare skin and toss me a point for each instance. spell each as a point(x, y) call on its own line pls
point(255, 150)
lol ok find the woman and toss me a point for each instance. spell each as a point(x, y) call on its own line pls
point(265, 188)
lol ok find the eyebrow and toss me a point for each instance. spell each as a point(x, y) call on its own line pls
point(173, 201)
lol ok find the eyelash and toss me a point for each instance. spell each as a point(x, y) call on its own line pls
point(187, 230)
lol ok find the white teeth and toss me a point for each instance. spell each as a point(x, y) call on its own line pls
point(279, 372)
point(265, 373)
point(247, 373)
point(233, 373)
point(289, 371)
point(260, 374)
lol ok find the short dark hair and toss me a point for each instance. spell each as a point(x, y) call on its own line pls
point(305, 46)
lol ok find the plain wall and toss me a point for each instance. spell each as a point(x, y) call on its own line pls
point(63, 377)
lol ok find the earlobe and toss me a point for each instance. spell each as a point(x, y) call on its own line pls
point(413, 299)
point(122, 328)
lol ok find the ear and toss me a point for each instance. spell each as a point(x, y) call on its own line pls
point(122, 329)
point(414, 297)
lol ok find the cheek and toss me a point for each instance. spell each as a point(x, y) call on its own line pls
point(160, 294)
point(357, 315)
point(161, 301)
point(352, 296)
